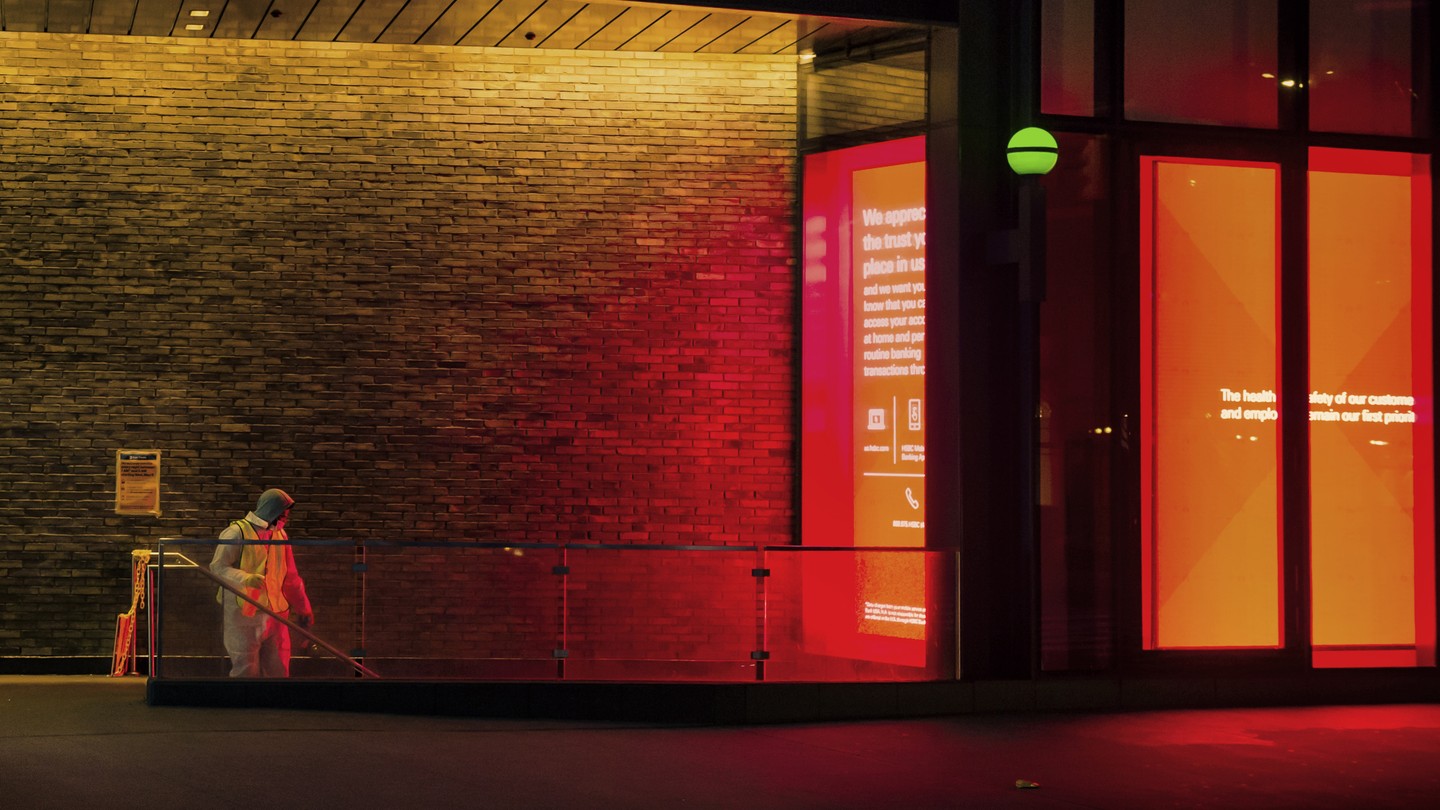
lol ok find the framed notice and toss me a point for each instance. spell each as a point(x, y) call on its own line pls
point(137, 482)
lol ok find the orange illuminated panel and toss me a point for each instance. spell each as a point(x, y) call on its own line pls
point(1371, 412)
point(1210, 404)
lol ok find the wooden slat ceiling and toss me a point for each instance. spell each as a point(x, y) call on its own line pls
point(564, 24)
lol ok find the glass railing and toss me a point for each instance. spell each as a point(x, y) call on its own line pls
point(484, 611)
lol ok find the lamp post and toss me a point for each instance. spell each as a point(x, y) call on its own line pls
point(1031, 153)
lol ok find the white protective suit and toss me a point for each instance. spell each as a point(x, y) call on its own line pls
point(258, 645)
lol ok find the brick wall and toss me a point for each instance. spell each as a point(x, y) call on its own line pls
point(438, 294)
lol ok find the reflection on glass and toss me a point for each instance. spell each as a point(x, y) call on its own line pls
point(846, 93)
point(1365, 74)
point(1067, 57)
point(1201, 61)
point(1077, 442)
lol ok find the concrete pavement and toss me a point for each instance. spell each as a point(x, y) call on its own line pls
point(92, 742)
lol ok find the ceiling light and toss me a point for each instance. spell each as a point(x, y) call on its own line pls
point(199, 13)
point(194, 27)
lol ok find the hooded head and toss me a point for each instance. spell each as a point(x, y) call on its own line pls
point(272, 504)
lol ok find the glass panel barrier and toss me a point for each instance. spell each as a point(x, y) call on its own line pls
point(334, 591)
point(465, 611)
point(183, 616)
point(478, 611)
point(645, 613)
point(858, 614)
point(186, 637)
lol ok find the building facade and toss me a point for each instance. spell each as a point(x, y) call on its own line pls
point(712, 283)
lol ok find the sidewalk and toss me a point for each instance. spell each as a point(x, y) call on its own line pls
point(88, 742)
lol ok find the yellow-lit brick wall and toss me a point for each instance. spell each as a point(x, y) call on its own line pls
point(438, 294)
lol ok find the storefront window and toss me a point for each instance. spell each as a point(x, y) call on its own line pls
point(843, 94)
point(1372, 465)
point(1067, 57)
point(1202, 61)
point(1209, 408)
point(1366, 75)
point(1078, 438)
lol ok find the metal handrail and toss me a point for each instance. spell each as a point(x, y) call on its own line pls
point(586, 546)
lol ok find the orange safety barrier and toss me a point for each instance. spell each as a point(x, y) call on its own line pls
point(123, 662)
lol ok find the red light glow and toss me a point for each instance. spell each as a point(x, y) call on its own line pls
point(1372, 420)
point(863, 438)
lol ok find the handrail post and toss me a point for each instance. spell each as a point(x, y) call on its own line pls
point(563, 650)
point(761, 572)
point(157, 651)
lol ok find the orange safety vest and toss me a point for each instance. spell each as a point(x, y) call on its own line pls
point(266, 560)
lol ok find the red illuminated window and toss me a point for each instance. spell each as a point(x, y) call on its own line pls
point(1371, 410)
point(863, 399)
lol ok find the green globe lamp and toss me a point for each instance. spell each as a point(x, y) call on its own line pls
point(1032, 150)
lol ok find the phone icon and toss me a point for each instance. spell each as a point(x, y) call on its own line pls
point(910, 496)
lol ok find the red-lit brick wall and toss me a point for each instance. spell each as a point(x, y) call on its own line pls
point(440, 295)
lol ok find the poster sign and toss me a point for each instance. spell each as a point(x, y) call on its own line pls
point(137, 482)
point(863, 399)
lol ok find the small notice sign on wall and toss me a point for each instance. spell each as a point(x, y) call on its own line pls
point(137, 482)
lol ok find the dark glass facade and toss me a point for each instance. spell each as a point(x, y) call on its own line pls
point(1236, 355)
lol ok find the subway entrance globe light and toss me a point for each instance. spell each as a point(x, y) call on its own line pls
point(1032, 150)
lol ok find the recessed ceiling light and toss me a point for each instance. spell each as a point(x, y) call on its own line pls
point(199, 13)
point(194, 27)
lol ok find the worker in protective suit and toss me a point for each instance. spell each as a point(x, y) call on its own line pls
point(259, 646)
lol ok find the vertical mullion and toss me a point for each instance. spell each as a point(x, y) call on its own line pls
point(1109, 60)
point(1294, 399)
point(1294, 49)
